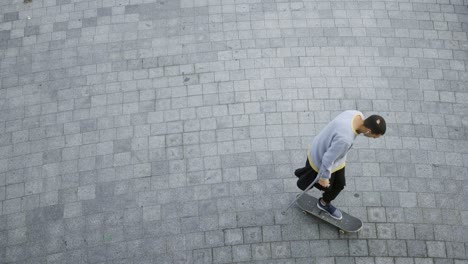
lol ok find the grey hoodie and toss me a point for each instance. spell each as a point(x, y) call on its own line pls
point(328, 150)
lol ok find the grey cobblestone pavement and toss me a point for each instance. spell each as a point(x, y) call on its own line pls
point(167, 131)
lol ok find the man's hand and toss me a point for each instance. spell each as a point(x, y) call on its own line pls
point(324, 182)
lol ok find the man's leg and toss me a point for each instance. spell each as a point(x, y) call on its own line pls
point(301, 171)
point(307, 177)
point(337, 184)
point(305, 180)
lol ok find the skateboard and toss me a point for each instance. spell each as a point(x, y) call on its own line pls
point(348, 223)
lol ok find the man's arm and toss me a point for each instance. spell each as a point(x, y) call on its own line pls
point(337, 149)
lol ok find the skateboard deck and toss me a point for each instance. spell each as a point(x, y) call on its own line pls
point(348, 223)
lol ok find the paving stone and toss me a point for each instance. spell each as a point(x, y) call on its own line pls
point(300, 249)
point(339, 247)
point(437, 261)
point(404, 260)
point(14, 190)
point(358, 248)
point(13, 16)
point(31, 30)
point(455, 250)
point(368, 231)
point(386, 231)
point(45, 214)
point(345, 260)
point(436, 249)
point(416, 248)
point(202, 256)
point(261, 251)
point(364, 260)
point(395, 215)
point(377, 214)
point(377, 248)
point(280, 250)
point(319, 248)
point(214, 238)
point(4, 35)
point(271, 233)
point(174, 126)
point(241, 253)
point(233, 236)
point(396, 248)
point(405, 231)
point(424, 231)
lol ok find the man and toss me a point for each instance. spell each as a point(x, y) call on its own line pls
point(326, 155)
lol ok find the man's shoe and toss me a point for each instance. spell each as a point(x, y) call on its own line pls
point(330, 209)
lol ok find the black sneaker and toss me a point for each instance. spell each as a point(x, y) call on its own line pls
point(331, 210)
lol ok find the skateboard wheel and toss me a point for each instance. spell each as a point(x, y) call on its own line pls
point(304, 212)
point(342, 232)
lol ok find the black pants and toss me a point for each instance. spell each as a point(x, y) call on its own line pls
point(337, 181)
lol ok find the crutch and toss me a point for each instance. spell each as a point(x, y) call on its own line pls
point(297, 197)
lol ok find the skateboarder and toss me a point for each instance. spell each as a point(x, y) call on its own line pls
point(327, 152)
